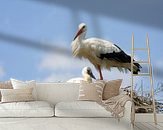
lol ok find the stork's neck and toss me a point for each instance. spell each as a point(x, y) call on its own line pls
point(81, 37)
point(87, 78)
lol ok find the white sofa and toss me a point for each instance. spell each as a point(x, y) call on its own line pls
point(57, 108)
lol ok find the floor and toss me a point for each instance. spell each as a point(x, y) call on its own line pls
point(143, 122)
point(63, 124)
point(148, 126)
point(146, 122)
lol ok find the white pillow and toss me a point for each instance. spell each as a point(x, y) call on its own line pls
point(17, 84)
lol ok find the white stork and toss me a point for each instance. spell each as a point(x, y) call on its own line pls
point(87, 76)
point(101, 53)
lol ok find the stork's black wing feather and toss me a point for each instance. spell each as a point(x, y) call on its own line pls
point(117, 56)
point(120, 56)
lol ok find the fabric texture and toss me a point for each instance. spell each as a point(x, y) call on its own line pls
point(116, 104)
point(111, 88)
point(26, 109)
point(56, 123)
point(5, 85)
point(57, 92)
point(91, 91)
point(16, 95)
point(81, 109)
point(18, 84)
point(105, 94)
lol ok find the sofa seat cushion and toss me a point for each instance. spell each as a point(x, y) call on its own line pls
point(26, 109)
point(80, 109)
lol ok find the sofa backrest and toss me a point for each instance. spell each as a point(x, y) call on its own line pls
point(56, 92)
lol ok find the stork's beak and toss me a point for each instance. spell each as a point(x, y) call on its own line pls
point(91, 74)
point(78, 33)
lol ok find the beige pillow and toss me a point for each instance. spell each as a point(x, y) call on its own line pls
point(111, 88)
point(5, 85)
point(18, 84)
point(16, 95)
point(91, 91)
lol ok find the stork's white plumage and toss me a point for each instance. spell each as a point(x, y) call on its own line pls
point(101, 53)
point(87, 76)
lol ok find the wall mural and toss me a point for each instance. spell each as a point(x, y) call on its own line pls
point(36, 36)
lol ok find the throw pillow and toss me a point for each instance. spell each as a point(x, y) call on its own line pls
point(18, 84)
point(16, 95)
point(91, 91)
point(5, 85)
point(111, 88)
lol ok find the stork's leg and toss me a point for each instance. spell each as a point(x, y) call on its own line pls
point(99, 69)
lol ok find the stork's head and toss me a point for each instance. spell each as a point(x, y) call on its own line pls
point(82, 29)
point(87, 72)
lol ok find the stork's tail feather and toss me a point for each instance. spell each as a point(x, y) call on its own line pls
point(136, 68)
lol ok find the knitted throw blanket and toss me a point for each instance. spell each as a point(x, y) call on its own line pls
point(116, 105)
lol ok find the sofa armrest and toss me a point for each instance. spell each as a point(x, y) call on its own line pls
point(127, 111)
point(127, 118)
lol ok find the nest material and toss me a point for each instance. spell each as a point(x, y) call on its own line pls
point(143, 101)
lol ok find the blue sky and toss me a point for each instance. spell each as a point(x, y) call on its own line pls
point(55, 23)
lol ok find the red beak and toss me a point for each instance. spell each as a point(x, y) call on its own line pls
point(78, 33)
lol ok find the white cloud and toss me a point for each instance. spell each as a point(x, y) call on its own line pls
point(57, 77)
point(63, 68)
point(2, 72)
point(61, 62)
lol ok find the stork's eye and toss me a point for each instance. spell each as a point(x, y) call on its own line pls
point(84, 26)
point(89, 71)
